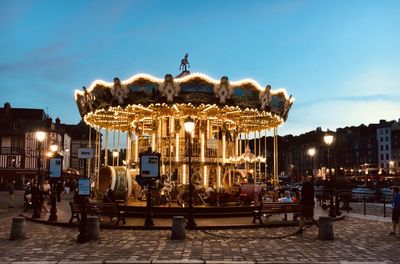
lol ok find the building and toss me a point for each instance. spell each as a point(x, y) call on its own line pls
point(20, 151)
point(388, 158)
point(80, 139)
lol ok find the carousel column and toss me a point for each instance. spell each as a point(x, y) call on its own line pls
point(276, 180)
point(265, 155)
point(259, 155)
point(223, 148)
point(119, 147)
point(177, 152)
point(170, 146)
point(128, 148)
point(255, 156)
point(206, 169)
point(202, 158)
point(136, 148)
point(153, 142)
point(106, 149)
point(97, 158)
point(160, 143)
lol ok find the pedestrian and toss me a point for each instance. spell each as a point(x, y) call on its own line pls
point(46, 196)
point(307, 203)
point(11, 190)
point(396, 209)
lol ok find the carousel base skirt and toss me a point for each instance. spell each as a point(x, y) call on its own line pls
point(136, 208)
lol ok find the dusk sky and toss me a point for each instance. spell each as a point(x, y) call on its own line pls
point(339, 59)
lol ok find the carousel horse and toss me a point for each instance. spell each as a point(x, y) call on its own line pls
point(185, 63)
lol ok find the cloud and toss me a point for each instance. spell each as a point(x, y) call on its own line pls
point(49, 62)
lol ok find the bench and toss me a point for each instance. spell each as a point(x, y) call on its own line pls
point(270, 208)
point(113, 210)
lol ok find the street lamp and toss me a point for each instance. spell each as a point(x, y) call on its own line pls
point(36, 195)
point(53, 197)
point(115, 155)
point(328, 138)
point(189, 127)
point(311, 153)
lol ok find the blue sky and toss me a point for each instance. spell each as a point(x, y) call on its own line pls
point(339, 59)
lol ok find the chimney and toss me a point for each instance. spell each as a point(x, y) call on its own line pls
point(58, 122)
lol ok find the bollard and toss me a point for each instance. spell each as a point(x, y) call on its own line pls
point(325, 228)
point(178, 227)
point(93, 225)
point(18, 228)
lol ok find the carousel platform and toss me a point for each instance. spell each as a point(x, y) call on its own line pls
point(228, 217)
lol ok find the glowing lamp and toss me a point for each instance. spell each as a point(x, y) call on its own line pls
point(311, 151)
point(40, 135)
point(53, 148)
point(189, 125)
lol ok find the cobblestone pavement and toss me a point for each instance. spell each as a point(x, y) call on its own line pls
point(356, 240)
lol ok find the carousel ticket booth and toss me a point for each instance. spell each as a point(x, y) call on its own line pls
point(149, 112)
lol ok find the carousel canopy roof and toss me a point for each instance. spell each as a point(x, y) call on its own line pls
point(244, 105)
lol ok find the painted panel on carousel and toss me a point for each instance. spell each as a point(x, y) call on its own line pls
point(142, 91)
point(197, 90)
point(246, 96)
point(278, 103)
point(102, 96)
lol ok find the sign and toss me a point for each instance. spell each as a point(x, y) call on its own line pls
point(84, 186)
point(85, 153)
point(55, 167)
point(150, 165)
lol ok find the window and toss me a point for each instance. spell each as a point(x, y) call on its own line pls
point(381, 139)
point(387, 156)
point(16, 144)
point(387, 147)
point(382, 165)
point(386, 131)
point(381, 156)
point(387, 139)
point(381, 147)
point(11, 162)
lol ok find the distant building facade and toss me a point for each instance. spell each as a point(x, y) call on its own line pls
point(19, 150)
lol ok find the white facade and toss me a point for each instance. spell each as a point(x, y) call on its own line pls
point(386, 160)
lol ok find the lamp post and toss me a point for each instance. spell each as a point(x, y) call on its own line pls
point(328, 138)
point(189, 127)
point(311, 153)
point(36, 195)
point(53, 197)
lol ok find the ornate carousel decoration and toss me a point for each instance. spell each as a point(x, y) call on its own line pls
point(151, 112)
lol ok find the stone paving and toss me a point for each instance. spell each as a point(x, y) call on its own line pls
point(357, 240)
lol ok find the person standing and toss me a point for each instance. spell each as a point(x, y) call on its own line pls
point(46, 196)
point(11, 190)
point(396, 209)
point(307, 202)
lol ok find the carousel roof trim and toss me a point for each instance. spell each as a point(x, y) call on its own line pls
point(179, 80)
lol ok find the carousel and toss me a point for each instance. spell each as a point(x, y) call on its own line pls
point(203, 128)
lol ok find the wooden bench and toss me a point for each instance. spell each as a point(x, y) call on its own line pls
point(113, 210)
point(270, 208)
point(76, 209)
